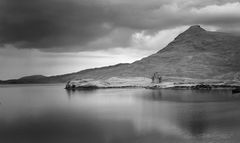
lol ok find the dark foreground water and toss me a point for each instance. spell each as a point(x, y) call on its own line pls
point(49, 114)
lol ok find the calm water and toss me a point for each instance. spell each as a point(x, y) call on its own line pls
point(49, 114)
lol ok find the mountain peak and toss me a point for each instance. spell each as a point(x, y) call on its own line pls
point(192, 30)
point(195, 29)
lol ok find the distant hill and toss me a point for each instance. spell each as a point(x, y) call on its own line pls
point(195, 53)
point(94, 73)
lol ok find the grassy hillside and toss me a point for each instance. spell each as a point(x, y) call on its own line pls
point(195, 53)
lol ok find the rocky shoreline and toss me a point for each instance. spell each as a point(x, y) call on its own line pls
point(142, 82)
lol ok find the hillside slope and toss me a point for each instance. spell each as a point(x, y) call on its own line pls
point(195, 53)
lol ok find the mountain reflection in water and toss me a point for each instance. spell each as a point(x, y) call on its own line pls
point(52, 114)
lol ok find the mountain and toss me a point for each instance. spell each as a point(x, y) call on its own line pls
point(195, 53)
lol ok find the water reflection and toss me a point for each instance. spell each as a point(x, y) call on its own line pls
point(73, 92)
point(171, 95)
point(195, 123)
point(179, 95)
point(51, 114)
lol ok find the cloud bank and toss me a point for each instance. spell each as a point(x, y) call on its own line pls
point(88, 25)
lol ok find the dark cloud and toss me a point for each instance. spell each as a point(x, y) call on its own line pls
point(51, 23)
point(75, 25)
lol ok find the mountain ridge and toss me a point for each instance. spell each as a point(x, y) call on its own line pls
point(195, 53)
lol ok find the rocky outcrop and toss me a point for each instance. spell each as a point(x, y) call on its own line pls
point(142, 82)
point(85, 84)
point(113, 82)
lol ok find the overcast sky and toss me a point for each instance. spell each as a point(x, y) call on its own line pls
point(52, 37)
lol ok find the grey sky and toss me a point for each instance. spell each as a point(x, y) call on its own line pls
point(106, 27)
point(66, 25)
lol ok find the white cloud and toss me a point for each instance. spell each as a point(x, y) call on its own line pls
point(225, 9)
point(157, 41)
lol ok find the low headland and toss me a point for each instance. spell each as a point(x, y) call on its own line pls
point(154, 83)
